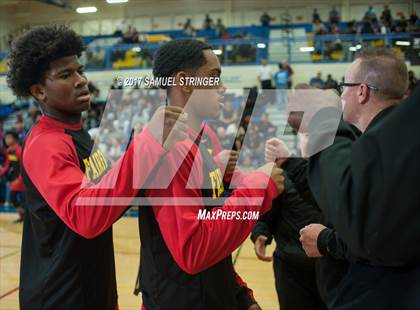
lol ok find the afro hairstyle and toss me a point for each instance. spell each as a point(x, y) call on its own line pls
point(33, 51)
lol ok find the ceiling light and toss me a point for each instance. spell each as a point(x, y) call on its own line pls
point(116, 1)
point(307, 49)
point(403, 43)
point(86, 9)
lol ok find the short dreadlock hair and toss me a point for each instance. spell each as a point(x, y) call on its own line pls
point(179, 55)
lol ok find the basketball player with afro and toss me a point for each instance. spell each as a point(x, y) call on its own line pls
point(67, 259)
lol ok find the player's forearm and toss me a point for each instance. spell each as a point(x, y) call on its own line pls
point(90, 209)
point(198, 244)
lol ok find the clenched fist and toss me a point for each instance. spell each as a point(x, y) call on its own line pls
point(309, 239)
point(276, 174)
point(168, 126)
point(276, 150)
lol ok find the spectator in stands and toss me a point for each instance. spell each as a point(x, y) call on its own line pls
point(255, 144)
point(228, 114)
point(334, 16)
point(20, 130)
point(116, 84)
point(245, 157)
point(315, 16)
point(366, 26)
point(265, 128)
point(232, 130)
point(246, 113)
point(401, 24)
point(375, 25)
point(337, 39)
point(91, 119)
point(19, 117)
point(225, 140)
point(334, 45)
point(290, 71)
point(318, 28)
point(239, 35)
point(11, 170)
point(128, 35)
point(330, 83)
point(93, 90)
point(386, 16)
point(117, 54)
point(371, 12)
point(135, 36)
point(281, 79)
point(220, 28)
point(115, 151)
point(384, 29)
point(317, 81)
point(119, 29)
point(412, 82)
point(413, 23)
point(351, 27)
point(413, 17)
point(32, 116)
point(225, 35)
point(265, 76)
point(265, 19)
point(208, 23)
point(142, 37)
point(189, 30)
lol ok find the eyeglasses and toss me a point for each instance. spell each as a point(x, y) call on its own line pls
point(341, 86)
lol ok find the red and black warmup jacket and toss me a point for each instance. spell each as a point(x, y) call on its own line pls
point(186, 262)
point(67, 257)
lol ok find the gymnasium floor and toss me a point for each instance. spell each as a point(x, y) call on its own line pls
point(257, 274)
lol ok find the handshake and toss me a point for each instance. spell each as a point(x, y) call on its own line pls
point(276, 150)
point(229, 159)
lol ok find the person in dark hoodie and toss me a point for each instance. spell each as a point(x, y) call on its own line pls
point(294, 272)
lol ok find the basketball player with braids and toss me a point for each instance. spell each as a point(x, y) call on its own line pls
point(186, 262)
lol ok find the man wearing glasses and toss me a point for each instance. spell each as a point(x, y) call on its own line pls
point(375, 82)
point(365, 185)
